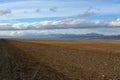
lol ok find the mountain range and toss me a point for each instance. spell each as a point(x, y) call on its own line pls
point(70, 36)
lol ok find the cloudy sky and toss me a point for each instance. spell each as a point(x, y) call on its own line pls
point(46, 17)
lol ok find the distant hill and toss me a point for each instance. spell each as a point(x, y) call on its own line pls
point(68, 36)
point(91, 36)
point(87, 36)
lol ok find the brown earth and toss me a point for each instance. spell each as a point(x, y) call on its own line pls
point(16, 64)
point(31, 59)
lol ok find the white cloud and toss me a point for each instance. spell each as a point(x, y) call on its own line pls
point(5, 26)
point(12, 33)
point(20, 26)
point(115, 22)
point(47, 33)
point(66, 26)
point(60, 24)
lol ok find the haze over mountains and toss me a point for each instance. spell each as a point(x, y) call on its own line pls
point(68, 36)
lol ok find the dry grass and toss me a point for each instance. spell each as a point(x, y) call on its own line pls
point(99, 46)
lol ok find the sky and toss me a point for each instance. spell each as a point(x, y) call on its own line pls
point(46, 17)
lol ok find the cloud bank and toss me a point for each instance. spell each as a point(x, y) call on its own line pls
point(57, 32)
point(61, 24)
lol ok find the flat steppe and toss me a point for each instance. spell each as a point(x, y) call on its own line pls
point(47, 59)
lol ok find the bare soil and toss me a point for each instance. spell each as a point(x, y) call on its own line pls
point(16, 64)
point(31, 59)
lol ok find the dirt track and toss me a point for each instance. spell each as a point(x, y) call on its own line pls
point(15, 64)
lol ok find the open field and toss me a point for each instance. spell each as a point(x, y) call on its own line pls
point(29, 59)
